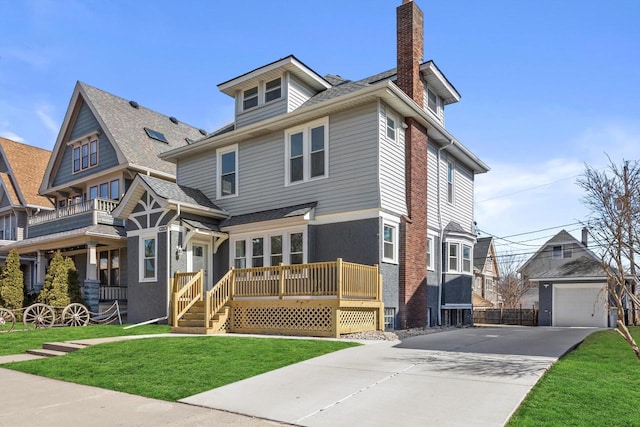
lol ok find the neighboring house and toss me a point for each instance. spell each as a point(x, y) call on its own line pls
point(571, 283)
point(103, 143)
point(485, 273)
point(21, 169)
point(313, 169)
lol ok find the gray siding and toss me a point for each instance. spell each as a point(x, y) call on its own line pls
point(354, 241)
point(60, 225)
point(147, 300)
point(261, 112)
point(21, 229)
point(297, 93)
point(457, 289)
point(353, 176)
point(390, 290)
point(461, 211)
point(85, 123)
point(392, 164)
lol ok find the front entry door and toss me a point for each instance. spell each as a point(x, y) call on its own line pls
point(200, 258)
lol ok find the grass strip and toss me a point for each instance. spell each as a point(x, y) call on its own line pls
point(171, 368)
point(17, 342)
point(598, 384)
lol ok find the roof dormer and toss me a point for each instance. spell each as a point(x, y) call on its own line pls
point(276, 88)
point(438, 91)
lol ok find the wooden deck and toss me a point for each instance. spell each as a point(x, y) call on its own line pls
point(319, 299)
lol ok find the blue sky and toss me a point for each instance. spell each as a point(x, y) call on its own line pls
point(546, 86)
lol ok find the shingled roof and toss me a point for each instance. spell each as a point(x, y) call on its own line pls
point(481, 251)
point(25, 168)
point(125, 123)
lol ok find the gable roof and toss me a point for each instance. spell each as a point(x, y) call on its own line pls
point(26, 165)
point(179, 196)
point(562, 237)
point(124, 122)
point(579, 268)
point(481, 251)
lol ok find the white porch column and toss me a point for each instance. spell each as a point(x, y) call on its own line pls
point(41, 268)
point(92, 262)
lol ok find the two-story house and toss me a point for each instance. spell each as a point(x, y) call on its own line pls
point(21, 169)
point(486, 273)
point(103, 143)
point(571, 284)
point(316, 168)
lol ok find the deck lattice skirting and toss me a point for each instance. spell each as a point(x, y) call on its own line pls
point(319, 299)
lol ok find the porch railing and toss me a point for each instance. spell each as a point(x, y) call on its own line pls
point(100, 205)
point(113, 293)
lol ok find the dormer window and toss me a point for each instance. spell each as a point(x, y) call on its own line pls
point(250, 98)
point(435, 103)
point(273, 90)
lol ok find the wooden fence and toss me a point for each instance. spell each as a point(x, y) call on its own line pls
point(506, 316)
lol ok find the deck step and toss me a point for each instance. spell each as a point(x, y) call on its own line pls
point(191, 323)
point(195, 330)
point(65, 347)
point(46, 353)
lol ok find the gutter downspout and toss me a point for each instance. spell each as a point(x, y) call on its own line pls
point(441, 228)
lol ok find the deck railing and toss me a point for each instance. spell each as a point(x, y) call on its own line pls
point(187, 295)
point(100, 205)
point(218, 296)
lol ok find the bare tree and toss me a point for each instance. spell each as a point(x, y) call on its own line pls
point(510, 287)
point(613, 198)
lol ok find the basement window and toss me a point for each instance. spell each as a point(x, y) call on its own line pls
point(153, 134)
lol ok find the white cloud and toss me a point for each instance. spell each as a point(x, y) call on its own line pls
point(10, 135)
point(43, 111)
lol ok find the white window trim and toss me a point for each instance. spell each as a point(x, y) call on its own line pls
point(266, 249)
point(431, 262)
point(242, 98)
point(219, 153)
point(388, 116)
point(395, 226)
point(141, 257)
point(272, 89)
point(306, 151)
point(453, 182)
point(460, 262)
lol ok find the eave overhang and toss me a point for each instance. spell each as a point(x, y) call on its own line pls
point(384, 90)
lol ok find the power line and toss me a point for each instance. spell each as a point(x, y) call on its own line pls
point(527, 189)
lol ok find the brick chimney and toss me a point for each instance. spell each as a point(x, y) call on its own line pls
point(410, 34)
point(413, 228)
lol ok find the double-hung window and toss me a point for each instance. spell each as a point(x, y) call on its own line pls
point(450, 182)
point(389, 242)
point(250, 98)
point(391, 128)
point(227, 176)
point(466, 259)
point(148, 252)
point(273, 90)
point(453, 256)
point(307, 154)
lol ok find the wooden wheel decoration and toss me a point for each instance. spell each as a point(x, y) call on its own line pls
point(7, 320)
point(75, 315)
point(40, 315)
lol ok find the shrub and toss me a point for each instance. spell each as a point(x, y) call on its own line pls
point(55, 291)
point(12, 283)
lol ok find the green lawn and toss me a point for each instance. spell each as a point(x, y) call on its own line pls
point(172, 368)
point(598, 384)
point(18, 342)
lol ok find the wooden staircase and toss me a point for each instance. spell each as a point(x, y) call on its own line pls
point(193, 322)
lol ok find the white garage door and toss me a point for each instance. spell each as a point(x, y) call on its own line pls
point(579, 305)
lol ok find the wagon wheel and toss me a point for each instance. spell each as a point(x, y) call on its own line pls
point(7, 320)
point(40, 315)
point(75, 315)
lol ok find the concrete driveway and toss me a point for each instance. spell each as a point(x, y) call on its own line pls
point(464, 377)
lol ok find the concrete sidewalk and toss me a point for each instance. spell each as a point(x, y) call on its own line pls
point(29, 400)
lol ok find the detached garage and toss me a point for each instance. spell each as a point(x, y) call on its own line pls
point(579, 304)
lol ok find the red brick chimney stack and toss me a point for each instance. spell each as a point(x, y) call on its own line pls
point(410, 34)
point(413, 229)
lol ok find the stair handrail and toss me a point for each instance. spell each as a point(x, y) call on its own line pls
point(187, 296)
point(218, 296)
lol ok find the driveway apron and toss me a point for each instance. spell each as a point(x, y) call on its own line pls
point(475, 376)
